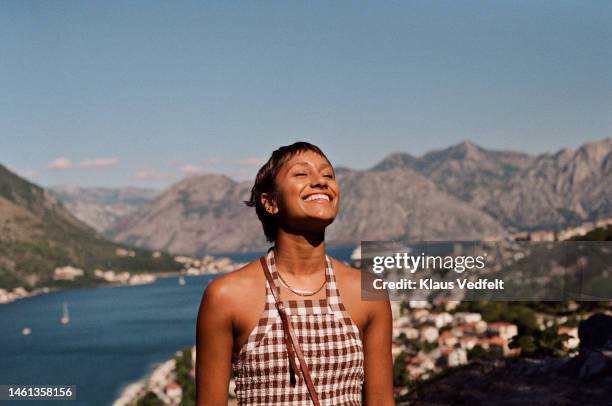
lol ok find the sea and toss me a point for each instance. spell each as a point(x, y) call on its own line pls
point(115, 335)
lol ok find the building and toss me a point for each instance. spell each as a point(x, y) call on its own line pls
point(452, 357)
point(465, 317)
point(474, 328)
point(468, 342)
point(67, 273)
point(423, 362)
point(520, 236)
point(441, 319)
point(420, 315)
point(573, 341)
point(122, 252)
point(447, 339)
point(419, 304)
point(542, 235)
point(451, 304)
point(428, 333)
point(396, 348)
point(411, 333)
point(576, 231)
point(503, 329)
point(603, 223)
point(497, 341)
point(174, 392)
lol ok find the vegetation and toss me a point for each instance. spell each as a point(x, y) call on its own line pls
point(480, 353)
point(419, 385)
point(598, 234)
point(400, 375)
point(413, 346)
point(543, 343)
point(38, 234)
point(32, 263)
point(150, 399)
point(512, 312)
point(184, 364)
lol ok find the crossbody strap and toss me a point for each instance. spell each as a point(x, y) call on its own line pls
point(290, 338)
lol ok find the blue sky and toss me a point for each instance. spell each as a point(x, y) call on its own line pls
point(128, 93)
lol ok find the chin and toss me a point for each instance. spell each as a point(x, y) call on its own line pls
point(321, 214)
point(322, 220)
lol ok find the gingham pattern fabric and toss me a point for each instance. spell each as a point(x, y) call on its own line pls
point(330, 342)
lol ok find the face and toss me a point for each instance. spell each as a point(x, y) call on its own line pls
point(308, 196)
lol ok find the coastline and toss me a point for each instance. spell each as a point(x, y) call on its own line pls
point(163, 383)
point(208, 265)
point(45, 289)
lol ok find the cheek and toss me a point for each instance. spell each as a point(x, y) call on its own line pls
point(288, 198)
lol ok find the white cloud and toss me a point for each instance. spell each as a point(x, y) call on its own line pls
point(98, 163)
point(65, 163)
point(146, 174)
point(60, 163)
point(191, 169)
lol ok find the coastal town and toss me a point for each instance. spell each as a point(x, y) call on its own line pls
point(429, 337)
point(191, 266)
point(213, 265)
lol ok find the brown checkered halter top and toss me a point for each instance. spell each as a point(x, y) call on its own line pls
point(330, 341)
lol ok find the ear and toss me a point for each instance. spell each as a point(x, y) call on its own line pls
point(268, 201)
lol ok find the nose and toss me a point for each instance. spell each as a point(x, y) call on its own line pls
point(319, 180)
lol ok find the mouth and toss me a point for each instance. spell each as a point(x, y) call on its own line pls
point(317, 197)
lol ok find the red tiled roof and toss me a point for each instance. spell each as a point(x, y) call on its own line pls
point(173, 385)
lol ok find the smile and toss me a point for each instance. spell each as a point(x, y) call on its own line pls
point(317, 197)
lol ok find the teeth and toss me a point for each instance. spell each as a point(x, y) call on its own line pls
point(317, 197)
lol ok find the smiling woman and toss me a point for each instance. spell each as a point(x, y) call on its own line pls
point(291, 326)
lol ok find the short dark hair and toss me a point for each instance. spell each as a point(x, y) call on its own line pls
point(264, 183)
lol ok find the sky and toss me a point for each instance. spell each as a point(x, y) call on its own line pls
point(142, 94)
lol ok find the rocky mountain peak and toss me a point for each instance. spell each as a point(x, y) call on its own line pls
point(466, 150)
point(396, 160)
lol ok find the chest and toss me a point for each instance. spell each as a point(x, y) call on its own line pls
point(332, 348)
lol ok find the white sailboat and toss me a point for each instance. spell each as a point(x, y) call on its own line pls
point(65, 316)
point(356, 257)
point(181, 280)
point(26, 331)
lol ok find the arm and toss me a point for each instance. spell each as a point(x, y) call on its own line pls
point(214, 341)
point(378, 385)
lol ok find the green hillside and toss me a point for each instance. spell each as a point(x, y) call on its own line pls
point(597, 234)
point(38, 234)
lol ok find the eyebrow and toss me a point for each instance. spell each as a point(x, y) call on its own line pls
point(324, 164)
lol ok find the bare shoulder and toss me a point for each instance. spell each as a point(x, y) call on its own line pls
point(234, 289)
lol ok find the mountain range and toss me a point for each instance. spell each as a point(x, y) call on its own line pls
point(38, 234)
point(523, 192)
point(461, 192)
point(102, 207)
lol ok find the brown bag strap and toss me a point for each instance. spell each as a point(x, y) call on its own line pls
point(290, 338)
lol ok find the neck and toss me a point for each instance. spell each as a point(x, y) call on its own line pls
point(299, 255)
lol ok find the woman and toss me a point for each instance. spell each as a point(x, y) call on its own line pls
point(339, 349)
